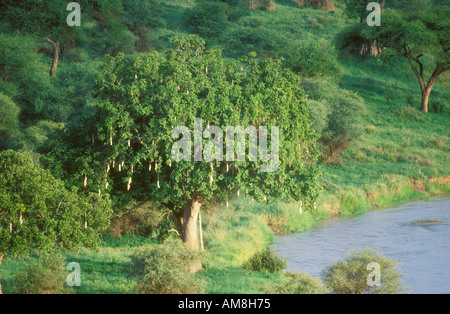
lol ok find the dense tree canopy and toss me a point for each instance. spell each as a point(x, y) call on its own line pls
point(416, 37)
point(126, 147)
point(38, 212)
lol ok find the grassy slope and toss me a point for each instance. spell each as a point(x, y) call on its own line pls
point(398, 145)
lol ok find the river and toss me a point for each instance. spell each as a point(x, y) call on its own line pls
point(422, 250)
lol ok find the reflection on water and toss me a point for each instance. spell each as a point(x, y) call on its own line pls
point(422, 250)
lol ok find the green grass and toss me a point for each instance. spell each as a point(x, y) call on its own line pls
point(397, 159)
point(233, 234)
point(234, 280)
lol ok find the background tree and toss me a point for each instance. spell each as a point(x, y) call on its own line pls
point(125, 147)
point(418, 38)
point(42, 18)
point(208, 18)
point(358, 8)
point(38, 212)
point(9, 120)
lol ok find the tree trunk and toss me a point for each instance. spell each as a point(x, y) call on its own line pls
point(1, 259)
point(201, 230)
point(251, 4)
point(191, 214)
point(424, 102)
point(55, 56)
point(426, 89)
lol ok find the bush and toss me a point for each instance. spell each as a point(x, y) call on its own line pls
point(344, 122)
point(335, 113)
point(409, 113)
point(298, 283)
point(315, 58)
point(208, 19)
point(48, 276)
point(166, 269)
point(265, 260)
point(350, 275)
point(265, 41)
point(9, 120)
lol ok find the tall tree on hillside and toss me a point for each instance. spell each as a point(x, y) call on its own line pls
point(126, 148)
point(417, 37)
point(38, 212)
point(47, 19)
point(358, 8)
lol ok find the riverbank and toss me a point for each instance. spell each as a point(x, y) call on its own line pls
point(419, 250)
point(234, 234)
point(388, 191)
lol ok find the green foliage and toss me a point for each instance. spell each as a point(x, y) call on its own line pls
point(9, 120)
point(128, 240)
point(142, 14)
point(26, 82)
point(166, 269)
point(265, 260)
point(343, 124)
point(43, 18)
point(349, 40)
point(352, 203)
point(314, 58)
point(298, 283)
point(48, 276)
point(142, 98)
point(414, 35)
point(208, 18)
point(232, 234)
point(235, 280)
point(37, 212)
point(409, 113)
point(349, 276)
point(335, 113)
point(246, 39)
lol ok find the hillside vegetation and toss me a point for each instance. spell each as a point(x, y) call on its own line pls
point(377, 148)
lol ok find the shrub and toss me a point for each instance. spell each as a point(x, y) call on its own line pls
point(349, 276)
point(318, 114)
point(314, 58)
point(313, 23)
point(265, 41)
point(409, 113)
point(298, 283)
point(265, 260)
point(9, 120)
point(48, 276)
point(208, 19)
point(166, 269)
point(344, 122)
point(335, 113)
point(252, 21)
